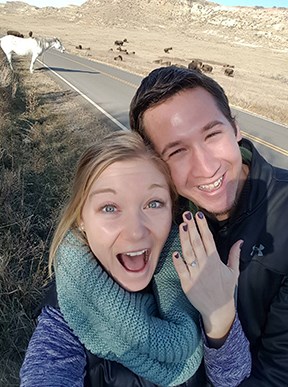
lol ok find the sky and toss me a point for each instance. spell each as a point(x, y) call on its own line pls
point(263, 3)
point(51, 3)
point(64, 3)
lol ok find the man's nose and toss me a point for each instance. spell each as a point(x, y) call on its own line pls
point(203, 163)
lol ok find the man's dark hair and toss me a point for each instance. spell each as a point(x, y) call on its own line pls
point(164, 82)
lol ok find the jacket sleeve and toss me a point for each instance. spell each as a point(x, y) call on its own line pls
point(230, 364)
point(270, 362)
point(54, 356)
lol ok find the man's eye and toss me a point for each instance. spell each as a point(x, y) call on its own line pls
point(213, 134)
point(109, 208)
point(155, 204)
point(175, 152)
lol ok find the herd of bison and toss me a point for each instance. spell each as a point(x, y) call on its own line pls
point(195, 64)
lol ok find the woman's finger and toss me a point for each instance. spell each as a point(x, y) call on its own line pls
point(180, 266)
point(195, 239)
point(205, 233)
point(187, 249)
point(234, 257)
point(184, 272)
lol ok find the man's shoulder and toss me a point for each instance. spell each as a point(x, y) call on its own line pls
point(261, 169)
point(281, 174)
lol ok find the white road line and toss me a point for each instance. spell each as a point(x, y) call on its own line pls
point(121, 126)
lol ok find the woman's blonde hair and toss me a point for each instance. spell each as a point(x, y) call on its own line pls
point(117, 146)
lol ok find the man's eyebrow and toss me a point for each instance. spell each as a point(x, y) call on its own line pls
point(206, 127)
point(211, 124)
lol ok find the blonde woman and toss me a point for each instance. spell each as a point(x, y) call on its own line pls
point(121, 317)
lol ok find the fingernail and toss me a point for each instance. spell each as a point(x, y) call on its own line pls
point(188, 215)
point(185, 227)
point(200, 215)
point(176, 255)
point(241, 245)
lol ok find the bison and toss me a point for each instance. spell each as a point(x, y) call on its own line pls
point(15, 33)
point(229, 72)
point(120, 42)
point(167, 50)
point(207, 68)
point(119, 48)
point(195, 64)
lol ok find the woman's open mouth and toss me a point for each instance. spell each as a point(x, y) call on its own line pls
point(134, 261)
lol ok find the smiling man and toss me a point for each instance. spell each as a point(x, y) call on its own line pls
point(186, 116)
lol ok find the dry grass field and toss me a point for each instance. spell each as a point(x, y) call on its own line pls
point(254, 40)
point(40, 140)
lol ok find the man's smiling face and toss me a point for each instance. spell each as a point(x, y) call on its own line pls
point(201, 148)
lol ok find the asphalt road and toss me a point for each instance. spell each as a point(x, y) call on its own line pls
point(110, 90)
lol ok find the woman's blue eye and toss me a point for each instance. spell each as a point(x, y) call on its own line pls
point(109, 208)
point(155, 204)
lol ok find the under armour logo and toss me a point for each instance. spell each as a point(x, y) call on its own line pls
point(257, 250)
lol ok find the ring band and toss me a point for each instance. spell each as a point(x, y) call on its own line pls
point(193, 263)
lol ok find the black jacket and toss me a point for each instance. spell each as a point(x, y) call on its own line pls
point(261, 220)
point(106, 373)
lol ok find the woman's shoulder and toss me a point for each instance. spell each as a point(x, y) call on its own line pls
point(51, 344)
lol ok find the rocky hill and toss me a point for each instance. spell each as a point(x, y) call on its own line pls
point(256, 26)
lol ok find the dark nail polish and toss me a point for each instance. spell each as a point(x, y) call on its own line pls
point(200, 215)
point(177, 255)
point(188, 215)
point(241, 245)
point(185, 227)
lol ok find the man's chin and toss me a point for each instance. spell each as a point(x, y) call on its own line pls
point(220, 215)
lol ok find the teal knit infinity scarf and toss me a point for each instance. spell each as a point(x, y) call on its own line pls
point(154, 335)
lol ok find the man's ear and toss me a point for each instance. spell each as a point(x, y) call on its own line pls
point(238, 132)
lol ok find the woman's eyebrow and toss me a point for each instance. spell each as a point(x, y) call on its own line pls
point(102, 190)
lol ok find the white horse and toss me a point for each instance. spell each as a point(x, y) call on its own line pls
point(26, 46)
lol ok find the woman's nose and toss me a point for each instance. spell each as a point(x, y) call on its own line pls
point(134, 227)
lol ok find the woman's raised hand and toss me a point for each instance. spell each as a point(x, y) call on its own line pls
point(208, 283)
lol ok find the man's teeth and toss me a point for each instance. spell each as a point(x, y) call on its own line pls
point(134, 254)
point(211, 187)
